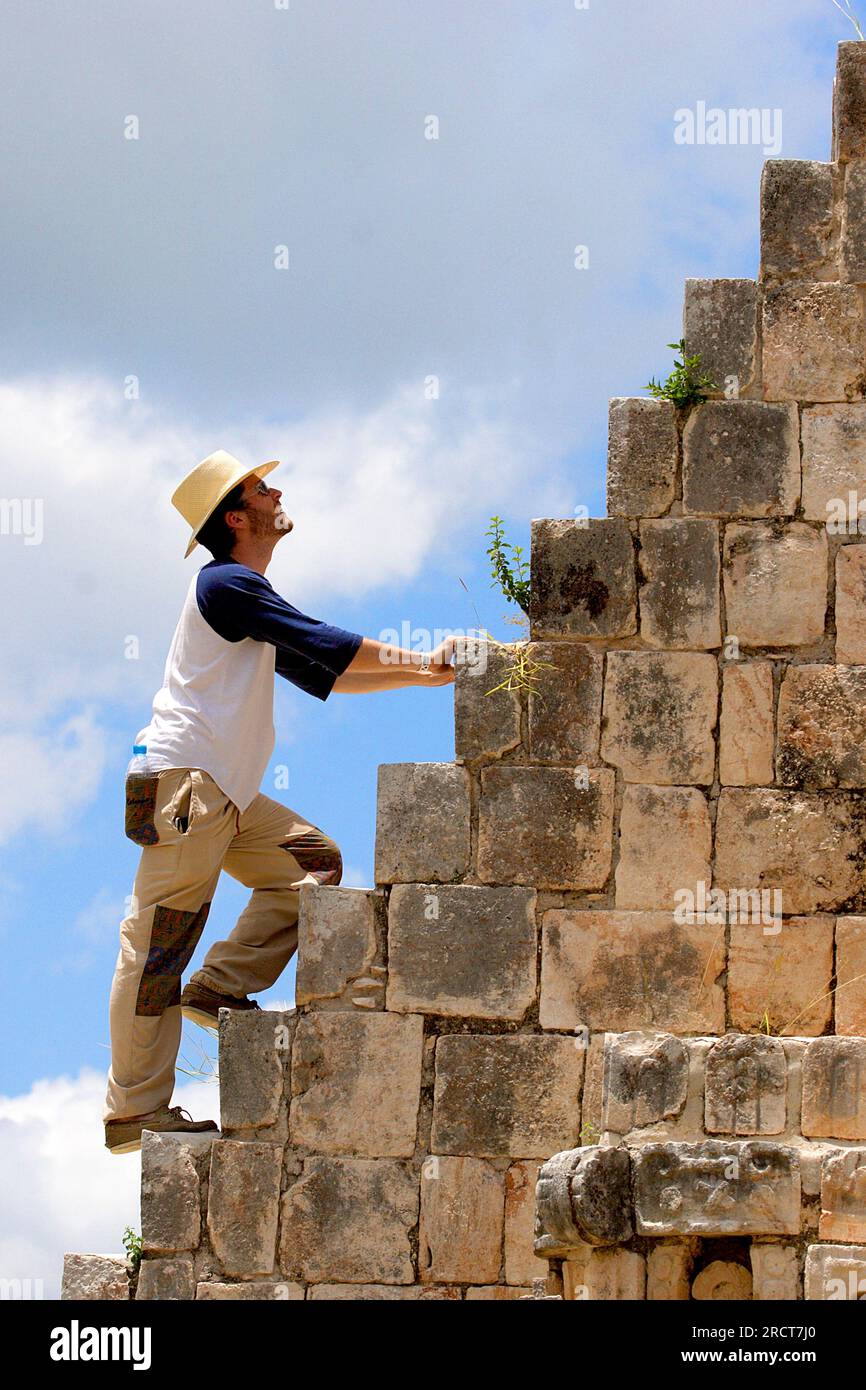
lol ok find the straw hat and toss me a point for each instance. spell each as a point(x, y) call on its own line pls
point(210, 481)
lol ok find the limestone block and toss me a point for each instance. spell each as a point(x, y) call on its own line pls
point(341, 947)
point(659, 715)
point(781, 971)
point(499, 1293)
point(849, 102)
point(348, 1220)
point(813, 342)
point(515, 1095)
point(851, 605)
point(356, 1083)
point(679, 560)
point(630, 970)
point(742, 458)
point(834, 1088)
point(850, 996)
point(521, 1265)
point(593, 1107)
point(775, 584)
point(565, 705)
point(843, 1196)
point(243, 1202)
point(646, 1079)
point(805, 844)
point(385, 1293)
point(665, 842)
point(462, 1213)
point(168, 1280)
point(170, 1192)
point(716, 1188)
point(853, 257)
point(614, 1276)
point(248, 1292)
point(746, 727)
point(486, 719)
point(746, 1083)
point(462, 950)
point(775, 1272)
point(583, 1199)
point(798, 229)
point(822, 727)
point(720, 325)
point(422, 822)
point(835, 1272)
point(545, 826)
point(723, 1280)
point(834, 462)
point(668, 1271)
point(583, 579)
point(642, 456)
point(103, 1277)
point(254, 1053)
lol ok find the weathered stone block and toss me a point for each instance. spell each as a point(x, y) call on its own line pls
point(850, 997)
point(614, 1276)
point(775, 1272)
point(834, 463)
point(356, 1083)
point(835, 1272)
point(724, 1280)
point(462, 950)
point(249, 1292)
point(851, 605)
point(720, 325)
point(168, 1280)
point(385, 1293)
point(254, 1052)
point(341, 948)
point(843, 1196)
point(746, 1082)
point(669, 1271)
point(348, 1220)
point(521, 1265)
point(799, 235)
point(512, 1095)
point(852, 255)
point(716, 1189)
point(804, 844)
point(243, 1201)
point(583, 579)
point(642, 456)
point(583, 1198)
point(499, 1293)
point(665, 842)
point(646, 1079)
point(422, 823)
point(170, 1192)
point(630, 970)
point(834, 1088)
point(659, 715)
point(746, 727)
point(822, 727)
point(545, 826)
point(565, 706)
point(775, 584)
point(462, 1213)
point(486, 719)
point(849, 102)
point(813, 342)
point(679, 604)
point(103, 1277)
point(781, 972)
point(742, 458)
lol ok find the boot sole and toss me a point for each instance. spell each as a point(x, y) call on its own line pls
point(200, 1017)
point(132, 1146)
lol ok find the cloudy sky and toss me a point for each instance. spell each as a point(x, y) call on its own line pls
point(148, 319)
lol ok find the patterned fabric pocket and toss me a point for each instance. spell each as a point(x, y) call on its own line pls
point(141, 809)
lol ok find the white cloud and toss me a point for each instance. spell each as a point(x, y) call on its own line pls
point(49, 775)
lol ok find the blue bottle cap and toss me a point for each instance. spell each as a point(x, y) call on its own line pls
point(139, 748)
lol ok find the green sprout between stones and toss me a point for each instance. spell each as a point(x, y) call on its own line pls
point(686, 385)
point(844, 7)
point(509, 567)
point(132, 1246)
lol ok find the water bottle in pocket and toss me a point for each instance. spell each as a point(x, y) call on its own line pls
point(141, 785)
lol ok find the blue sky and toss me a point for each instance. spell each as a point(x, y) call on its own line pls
point(408, 258)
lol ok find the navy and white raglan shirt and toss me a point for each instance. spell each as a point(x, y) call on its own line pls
point(215, 710)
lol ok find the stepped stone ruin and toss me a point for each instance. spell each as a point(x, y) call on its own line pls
point(599, 1032)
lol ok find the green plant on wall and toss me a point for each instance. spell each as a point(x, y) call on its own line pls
point(132, 1246)
point(686, 385)
point(509, 568)
point(845, 7)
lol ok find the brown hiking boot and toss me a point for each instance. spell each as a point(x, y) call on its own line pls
point(201, 1004)
point(124, 1136)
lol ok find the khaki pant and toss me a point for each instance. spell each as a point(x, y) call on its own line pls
point(190, 831)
